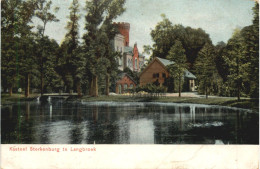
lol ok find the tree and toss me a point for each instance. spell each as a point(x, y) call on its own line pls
point(70, 60)
point(205, 68)
point(53, 81)
point(27, 44)
point(44, 14)
point(16, 32)
point(28, 60)
point(165, 34)
point(238, 64)
point(98, 21)
point(251, 36)
point(221, 65)
point(163, 37)
point(177, 55)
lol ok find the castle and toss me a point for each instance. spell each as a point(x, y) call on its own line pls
point(131, 57)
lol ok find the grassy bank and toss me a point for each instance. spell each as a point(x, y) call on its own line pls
point(6, 99)
point(245, 103)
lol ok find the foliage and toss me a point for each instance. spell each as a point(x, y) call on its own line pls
point(252, 51)
point(151, 88)
point(44, 13)
point(177, 55)
point(238, 63)
point(166, 34)
point(132, 74)
point(100, 31)
point(16, 38)
point(71, 61)
point(221, 64)
point(205, 68)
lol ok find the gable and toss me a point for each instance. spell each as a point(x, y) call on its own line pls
point(154, 67)
point(164, 63)
point(125, 78)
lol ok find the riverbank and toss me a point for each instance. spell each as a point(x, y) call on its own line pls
point(6, 99)
point(245, 103)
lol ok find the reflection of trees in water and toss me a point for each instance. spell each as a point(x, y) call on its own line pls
point(76, 132)
point(9, 125)
point(78, 123)
point(102, 128)
point(17, 125)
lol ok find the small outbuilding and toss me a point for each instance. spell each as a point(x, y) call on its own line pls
point(124, 83)
point(156, 73)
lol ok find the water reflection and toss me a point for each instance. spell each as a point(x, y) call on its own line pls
point(59, 122)
point(141, 131)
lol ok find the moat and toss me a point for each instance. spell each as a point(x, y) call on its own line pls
point(59, 122)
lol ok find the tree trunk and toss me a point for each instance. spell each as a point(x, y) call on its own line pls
point(42, 86)
point(91, 87)
point(179, 87)
point(206, 92)
point(238, 93)
point(79, 89)
point(95, 86)
point(27, 88)
point(107, 84)
point(11, 90)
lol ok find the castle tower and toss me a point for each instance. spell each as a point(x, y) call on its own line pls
point(124, 29)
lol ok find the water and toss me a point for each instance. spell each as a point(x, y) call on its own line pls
point(59, 122)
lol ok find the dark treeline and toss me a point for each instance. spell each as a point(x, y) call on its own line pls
point(230, 69)
point(35, 63)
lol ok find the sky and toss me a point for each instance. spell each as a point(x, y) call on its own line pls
point(217, 17)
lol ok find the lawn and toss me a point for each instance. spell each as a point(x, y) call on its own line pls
point(246, 103)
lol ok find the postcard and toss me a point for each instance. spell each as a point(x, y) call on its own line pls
point(129, 84)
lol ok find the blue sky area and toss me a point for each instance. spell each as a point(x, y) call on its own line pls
point(217, 17)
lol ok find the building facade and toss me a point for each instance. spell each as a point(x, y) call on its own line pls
point(131, 57)
point(156, 73)
point(124, 83)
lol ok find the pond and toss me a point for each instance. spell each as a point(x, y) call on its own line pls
point(60, 122)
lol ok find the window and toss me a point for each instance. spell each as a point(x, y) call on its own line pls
point(131, 86)
point(120, 61)
point(119, 89)
point(191, 85)
point(163, 75)
point(129, 64)
point(125, 87)
point(135, 63)
point(156, 75)
point(117, 48)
